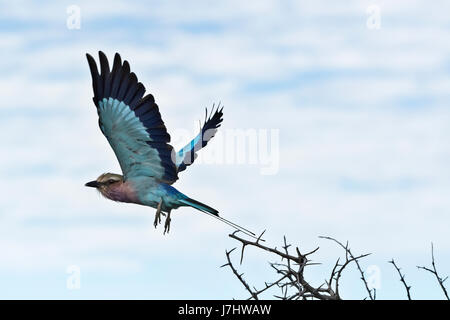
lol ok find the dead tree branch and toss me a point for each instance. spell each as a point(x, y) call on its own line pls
point(363, 277)
point(402, 279)
point(290, 270)
point(435, 273)
point(239, 275)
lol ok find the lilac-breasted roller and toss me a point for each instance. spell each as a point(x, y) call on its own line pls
point(132, 123)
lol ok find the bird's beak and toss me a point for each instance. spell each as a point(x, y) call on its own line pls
point(93, 184)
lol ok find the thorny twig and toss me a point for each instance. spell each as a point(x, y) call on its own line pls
point(436, 274)
point(239, 276)
point(402, 279)
point(372, 296)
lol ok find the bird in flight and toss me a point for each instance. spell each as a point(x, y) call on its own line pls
point(132, 124)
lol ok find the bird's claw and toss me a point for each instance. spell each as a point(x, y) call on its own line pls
point(167, 223)
point(158, 218)
point(158, 214)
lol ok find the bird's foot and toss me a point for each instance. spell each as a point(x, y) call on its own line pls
point(158, 214)
point(167, 224)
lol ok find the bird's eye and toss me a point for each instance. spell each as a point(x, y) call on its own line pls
point(111, 181)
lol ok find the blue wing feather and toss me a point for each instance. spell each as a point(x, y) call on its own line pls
point(131, 122)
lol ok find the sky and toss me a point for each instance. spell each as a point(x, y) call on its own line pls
point(346, 112)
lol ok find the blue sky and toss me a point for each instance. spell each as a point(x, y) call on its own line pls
point(362, 116)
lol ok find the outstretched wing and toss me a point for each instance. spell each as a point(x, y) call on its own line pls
point(187, 155)
point(131, 122)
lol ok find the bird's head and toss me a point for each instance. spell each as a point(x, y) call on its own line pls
point(105, 182)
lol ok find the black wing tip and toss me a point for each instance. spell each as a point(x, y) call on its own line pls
point(91, 61)
point(119, 80)
point(101, 54)
point(104, 64)
point(215, 118)
point(218, 113)
point(117, 61)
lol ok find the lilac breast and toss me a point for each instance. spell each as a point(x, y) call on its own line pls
point(122, 192)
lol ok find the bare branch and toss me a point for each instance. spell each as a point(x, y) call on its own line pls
point(257, 244)
point(291, 270)
point(436, 274)
point(239, 276)
point(402, 279)
point(291, 265)
point(363, 277)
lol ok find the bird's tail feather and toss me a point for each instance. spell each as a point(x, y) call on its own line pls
point(214, 213)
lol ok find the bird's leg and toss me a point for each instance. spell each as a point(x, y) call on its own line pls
point(167, 224)
point(158, 214)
